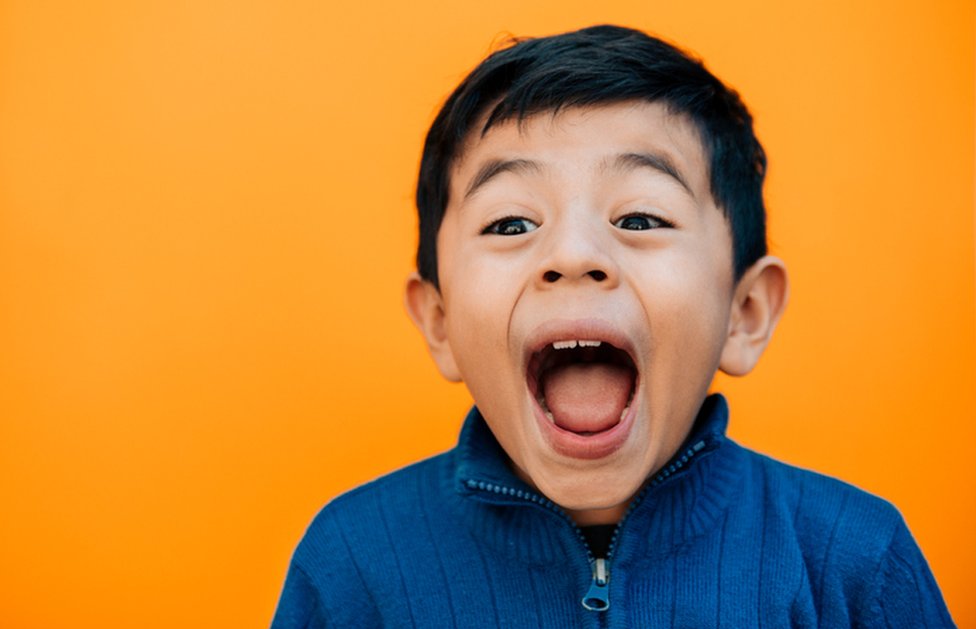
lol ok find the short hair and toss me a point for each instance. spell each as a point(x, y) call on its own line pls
point(589, 67)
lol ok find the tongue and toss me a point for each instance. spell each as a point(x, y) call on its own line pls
point(587, 397)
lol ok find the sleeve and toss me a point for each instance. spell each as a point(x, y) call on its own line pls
point(907, 594)
point(298, 607)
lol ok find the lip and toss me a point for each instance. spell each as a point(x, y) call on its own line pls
point(564, 442)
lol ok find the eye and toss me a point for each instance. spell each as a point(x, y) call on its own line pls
point(510, 226)
point(640, 222)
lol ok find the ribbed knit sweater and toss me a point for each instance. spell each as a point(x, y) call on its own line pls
point(720, 537)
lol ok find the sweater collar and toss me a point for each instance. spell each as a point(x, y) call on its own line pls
point(481, 459)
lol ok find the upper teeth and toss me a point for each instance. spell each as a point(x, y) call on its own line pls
point(574, 343)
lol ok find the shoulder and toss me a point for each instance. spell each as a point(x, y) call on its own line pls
point(858, 556)
point(823, 509)
point(828, 525)
point(372, 512)
point(351, 562)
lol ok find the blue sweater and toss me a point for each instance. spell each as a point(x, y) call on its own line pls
point(720, 537)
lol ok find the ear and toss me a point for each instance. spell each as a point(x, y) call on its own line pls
point(426, 309)
point(759, 300)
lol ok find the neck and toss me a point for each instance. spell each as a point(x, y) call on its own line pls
point(590, 517)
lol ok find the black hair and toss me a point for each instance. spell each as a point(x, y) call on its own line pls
point(593, 66)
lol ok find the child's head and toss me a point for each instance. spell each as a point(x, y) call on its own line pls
point(595, 66)
point(592, 249)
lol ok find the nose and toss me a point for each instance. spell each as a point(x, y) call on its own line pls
point(577, 252)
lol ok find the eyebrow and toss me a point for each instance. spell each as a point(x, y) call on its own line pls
point(495, 167)
point(661, 163)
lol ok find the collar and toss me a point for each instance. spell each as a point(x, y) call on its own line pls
point(684, 499)
point(481, 459)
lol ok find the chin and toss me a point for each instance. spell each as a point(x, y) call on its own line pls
point(589, 490)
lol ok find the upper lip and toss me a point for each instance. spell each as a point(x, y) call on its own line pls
point(576, 329)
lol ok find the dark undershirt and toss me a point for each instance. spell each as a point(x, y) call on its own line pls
point(598, 538)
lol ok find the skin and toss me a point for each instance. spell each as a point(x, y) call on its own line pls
point(568, 239)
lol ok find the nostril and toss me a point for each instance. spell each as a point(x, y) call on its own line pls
point(598, 275)
point(551, 276)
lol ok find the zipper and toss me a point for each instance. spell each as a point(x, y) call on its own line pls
point(597, 597)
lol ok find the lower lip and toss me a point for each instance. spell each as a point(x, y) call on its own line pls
point(593, 446)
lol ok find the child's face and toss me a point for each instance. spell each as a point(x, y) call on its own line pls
point(571, 228)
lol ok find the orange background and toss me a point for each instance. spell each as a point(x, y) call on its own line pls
point(206, 220)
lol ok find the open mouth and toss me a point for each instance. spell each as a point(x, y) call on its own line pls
point(584, 387)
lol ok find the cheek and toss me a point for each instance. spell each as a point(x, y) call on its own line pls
point(687, 306)
point(478, 311)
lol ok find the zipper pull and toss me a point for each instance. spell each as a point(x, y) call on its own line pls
point(597, 598)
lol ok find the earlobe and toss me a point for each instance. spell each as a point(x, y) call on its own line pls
point(426, 308)
point(759, 301)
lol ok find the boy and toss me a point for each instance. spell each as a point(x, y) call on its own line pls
point(592, 249)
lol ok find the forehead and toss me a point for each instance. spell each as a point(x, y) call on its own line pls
point(587, 139)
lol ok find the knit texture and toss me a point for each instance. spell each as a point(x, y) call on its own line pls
point(721, 537)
